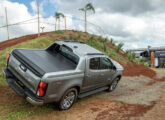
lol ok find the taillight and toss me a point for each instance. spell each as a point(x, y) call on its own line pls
point(7, 58)
point(41, 89)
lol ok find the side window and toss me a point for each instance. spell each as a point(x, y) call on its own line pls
point(105, 63)
point(94, 63)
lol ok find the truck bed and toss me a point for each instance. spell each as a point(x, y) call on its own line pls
point(43, 61)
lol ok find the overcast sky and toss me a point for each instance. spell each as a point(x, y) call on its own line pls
point(136, 23)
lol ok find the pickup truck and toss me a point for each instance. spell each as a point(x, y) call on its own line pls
point(63, 72)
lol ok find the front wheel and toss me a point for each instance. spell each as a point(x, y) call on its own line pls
point(113, 85)
point(68, 99)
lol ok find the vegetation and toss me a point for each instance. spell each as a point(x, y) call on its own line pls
point(112, 42)
point(119, 47)
point(131, 56)
point(79, 36)
point(88, 7)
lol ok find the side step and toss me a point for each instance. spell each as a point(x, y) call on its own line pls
point(92, 92)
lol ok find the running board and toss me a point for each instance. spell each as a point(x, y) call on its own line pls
point(92, 92)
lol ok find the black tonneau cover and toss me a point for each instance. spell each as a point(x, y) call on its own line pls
point(43, 61)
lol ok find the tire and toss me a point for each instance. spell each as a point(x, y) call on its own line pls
point(113, 85)
point(68, 99)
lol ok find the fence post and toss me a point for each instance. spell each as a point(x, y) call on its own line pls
point(65, 22)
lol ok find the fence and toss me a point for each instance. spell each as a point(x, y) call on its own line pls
point(30, 26)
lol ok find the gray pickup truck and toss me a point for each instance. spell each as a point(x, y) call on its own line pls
point(63, 72)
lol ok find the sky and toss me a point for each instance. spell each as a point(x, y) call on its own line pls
point(136, 23)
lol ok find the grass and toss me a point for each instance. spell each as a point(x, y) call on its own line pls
point(20, 111)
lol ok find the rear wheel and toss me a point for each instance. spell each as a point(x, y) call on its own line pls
point(113, 85)
point(68, 99)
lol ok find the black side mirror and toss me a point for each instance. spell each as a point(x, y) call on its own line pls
point(113, 67)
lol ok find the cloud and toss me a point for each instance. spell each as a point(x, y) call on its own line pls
point(33, 6)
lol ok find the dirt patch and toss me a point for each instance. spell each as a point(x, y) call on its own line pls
point(155, 81)
point(8, 96)
point(157, 113)
point(133, 69)
point(123, 112)
point(110, 45)
point(9, 43)
point(94, 108)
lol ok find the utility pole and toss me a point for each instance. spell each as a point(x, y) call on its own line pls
point(38, 18)
point(55, 23)
point(85, 20)
point(59, 23)
point(65, 22)
point(7, 23)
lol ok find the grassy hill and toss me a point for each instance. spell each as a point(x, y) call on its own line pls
point(13, 107)
point(97, 42)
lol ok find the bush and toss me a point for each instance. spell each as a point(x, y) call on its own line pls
point(112, 42)
point(79, 36)
point(119, 47)
point(131, 55)
point(70, 37)
point(105, 44)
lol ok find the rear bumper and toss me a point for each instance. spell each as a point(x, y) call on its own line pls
point(20, 89)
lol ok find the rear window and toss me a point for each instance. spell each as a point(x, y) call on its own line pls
point(65, 51)
point(69, 54)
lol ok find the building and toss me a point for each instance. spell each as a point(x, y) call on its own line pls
point(155, 54)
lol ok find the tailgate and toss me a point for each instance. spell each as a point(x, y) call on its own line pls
point(23, 74)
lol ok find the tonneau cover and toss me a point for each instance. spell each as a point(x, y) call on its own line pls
point(43, 61)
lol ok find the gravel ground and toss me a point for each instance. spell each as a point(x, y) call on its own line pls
point(134, 90)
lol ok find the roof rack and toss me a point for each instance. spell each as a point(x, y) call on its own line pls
point(95, 54)
point(75, 41)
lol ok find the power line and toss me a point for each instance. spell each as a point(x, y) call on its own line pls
point(18, 23)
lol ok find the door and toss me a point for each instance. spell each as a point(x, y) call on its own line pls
point(106, 70)
point(92, 74)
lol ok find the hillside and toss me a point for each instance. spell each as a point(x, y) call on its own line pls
point(15, 107)
point(98, 42)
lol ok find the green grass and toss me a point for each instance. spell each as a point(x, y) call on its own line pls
point(19, 111)
point(58, 32)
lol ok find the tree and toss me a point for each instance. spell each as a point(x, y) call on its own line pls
point(57, 17)
point(88, 7)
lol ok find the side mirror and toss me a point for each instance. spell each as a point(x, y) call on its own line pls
point(113, 67)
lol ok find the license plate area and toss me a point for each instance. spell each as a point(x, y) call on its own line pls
point(23, 67)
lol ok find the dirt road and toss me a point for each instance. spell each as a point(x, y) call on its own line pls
point(135, 98)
